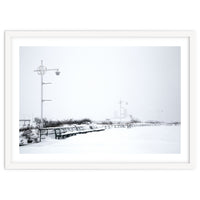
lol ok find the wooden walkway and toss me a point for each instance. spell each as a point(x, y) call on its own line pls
point(64, 132)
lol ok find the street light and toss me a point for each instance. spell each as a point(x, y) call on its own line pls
point(121, 109)
point(41, 70)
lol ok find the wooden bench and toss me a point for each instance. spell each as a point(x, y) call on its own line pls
point(61, 133)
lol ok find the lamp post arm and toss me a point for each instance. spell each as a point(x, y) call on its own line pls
point(56, 69)
point(44, 83)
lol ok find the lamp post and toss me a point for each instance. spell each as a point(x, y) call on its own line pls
point(41, 70)
point(121, 109)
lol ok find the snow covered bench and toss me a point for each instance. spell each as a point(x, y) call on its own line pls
point(61, 133)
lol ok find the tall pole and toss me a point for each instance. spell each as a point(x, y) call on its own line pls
point(41, 70)
point(120, 110)
point(41, 100)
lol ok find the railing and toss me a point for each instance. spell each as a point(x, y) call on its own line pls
point(63, 132)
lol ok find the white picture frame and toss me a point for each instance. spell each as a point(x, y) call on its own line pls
point(14, 39)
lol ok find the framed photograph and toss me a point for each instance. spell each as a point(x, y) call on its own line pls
point(99, 99)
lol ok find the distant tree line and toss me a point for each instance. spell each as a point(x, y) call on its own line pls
point(106, 122)
point(55, 123)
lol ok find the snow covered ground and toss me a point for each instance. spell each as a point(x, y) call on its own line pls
point(136, 140)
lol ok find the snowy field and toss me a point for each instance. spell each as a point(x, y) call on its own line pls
point(136, 140)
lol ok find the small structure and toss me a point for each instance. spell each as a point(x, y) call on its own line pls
point(24, 122)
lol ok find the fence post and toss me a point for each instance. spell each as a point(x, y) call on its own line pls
point(40, 134)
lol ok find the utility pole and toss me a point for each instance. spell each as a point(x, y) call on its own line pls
point(41, 70)
point(120, 109)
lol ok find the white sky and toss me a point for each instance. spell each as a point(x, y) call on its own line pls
point(94, 79)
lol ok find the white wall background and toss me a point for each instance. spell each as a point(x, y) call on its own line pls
point(104, 14)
